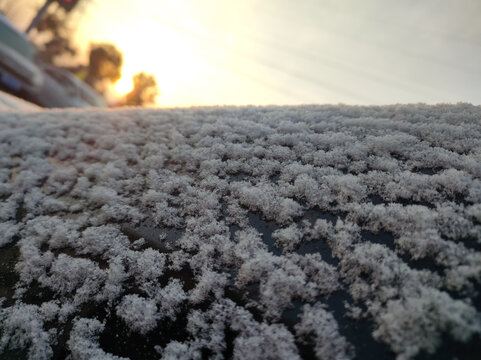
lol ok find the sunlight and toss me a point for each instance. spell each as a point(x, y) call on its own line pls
point(124, 85)
point(177, 48)
point(171, 57)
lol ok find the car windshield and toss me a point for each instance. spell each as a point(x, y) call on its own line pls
point(16, 40)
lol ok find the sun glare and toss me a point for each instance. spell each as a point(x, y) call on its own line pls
point(165, 47)
point(124, 85)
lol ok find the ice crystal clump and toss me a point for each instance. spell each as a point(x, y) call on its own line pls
point(332, 232)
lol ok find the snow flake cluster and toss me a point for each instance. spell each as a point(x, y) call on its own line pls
point(329, 232)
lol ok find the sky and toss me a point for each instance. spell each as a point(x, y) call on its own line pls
point(213, 52)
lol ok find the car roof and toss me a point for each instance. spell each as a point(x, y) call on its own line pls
point(334, 232)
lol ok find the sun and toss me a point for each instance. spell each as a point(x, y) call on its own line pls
point(124, 85)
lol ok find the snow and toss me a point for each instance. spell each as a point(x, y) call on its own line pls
point(334, 232)
point(138, 313)
point(83, 341)
point(329, 343)
point(22, 327)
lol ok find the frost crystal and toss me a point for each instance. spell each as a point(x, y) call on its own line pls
point(332, 232)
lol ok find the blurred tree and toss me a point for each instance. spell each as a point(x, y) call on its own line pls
point(54, 34)
point(144, 92)
point(54, 37)
point(58, 40)
point(105, 64)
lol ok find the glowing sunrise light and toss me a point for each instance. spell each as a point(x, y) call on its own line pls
point(124, 85)
point(202, 53)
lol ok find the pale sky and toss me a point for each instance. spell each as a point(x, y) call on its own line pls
point(214, 52)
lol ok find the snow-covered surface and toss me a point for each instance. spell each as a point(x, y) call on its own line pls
point(255, 233)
